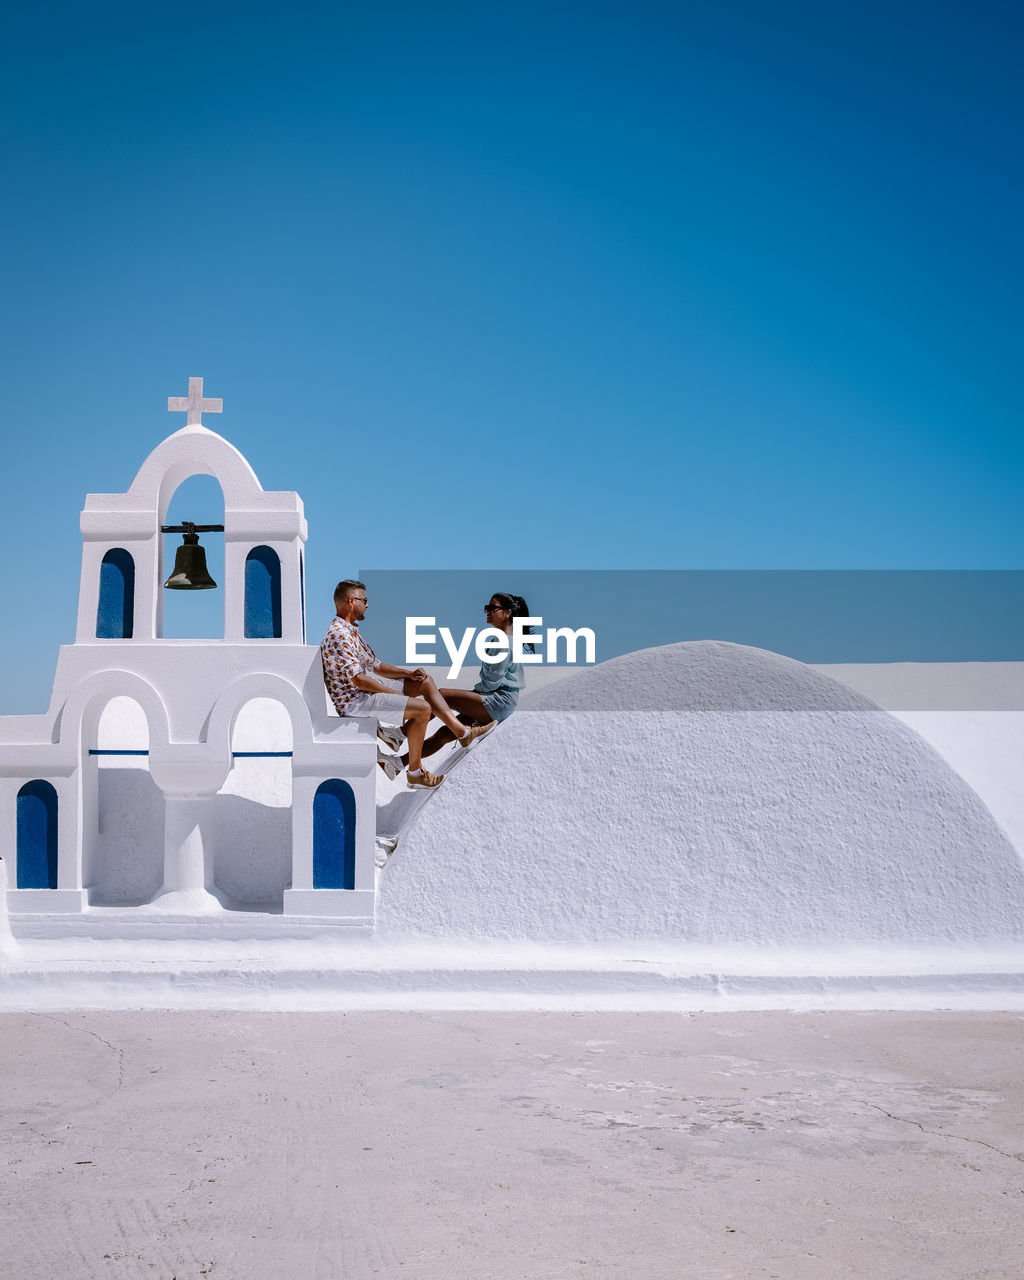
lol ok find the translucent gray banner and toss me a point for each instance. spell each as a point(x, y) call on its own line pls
point(905, 639)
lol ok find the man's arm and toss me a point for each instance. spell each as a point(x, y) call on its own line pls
point(343, 660)
point(367, 684)
point(399, 673)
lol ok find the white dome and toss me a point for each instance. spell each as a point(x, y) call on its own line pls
point(704, 792)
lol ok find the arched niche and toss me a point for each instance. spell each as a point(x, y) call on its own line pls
point(262, 594)
point(262, 740)
point(37, 835)
point(115, 612)
point(80, 716)
point(252, 820)
point(334, 836)
point(258, 688)
point(193, 615)
point(122, 732)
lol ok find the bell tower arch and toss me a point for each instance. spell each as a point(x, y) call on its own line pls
point(254, 517)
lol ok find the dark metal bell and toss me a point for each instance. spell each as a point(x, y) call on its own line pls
point(190, 571)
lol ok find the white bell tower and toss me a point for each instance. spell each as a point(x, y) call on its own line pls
point(191, 692)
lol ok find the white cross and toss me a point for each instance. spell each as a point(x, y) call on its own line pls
point(193, 404)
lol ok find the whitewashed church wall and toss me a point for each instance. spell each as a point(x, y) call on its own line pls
point(127, 862)
point(251, 825)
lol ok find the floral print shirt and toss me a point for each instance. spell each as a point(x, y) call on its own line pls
point(345, 655)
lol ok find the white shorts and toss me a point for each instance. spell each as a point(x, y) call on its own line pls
point(387, 708)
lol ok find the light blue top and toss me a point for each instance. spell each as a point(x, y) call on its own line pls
point(503, 673)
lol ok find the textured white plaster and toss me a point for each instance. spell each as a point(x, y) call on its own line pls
point(705, 793)
point(987, 749)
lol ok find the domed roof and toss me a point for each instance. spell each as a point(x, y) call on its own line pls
point(704, 792)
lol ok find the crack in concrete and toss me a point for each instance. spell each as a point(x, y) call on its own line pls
point(937, 1133)
point(45, 1137)
point(85, 1031)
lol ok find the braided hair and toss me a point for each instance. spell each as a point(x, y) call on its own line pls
point(517, 606)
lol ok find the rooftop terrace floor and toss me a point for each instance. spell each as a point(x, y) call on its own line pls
point(527, 1146)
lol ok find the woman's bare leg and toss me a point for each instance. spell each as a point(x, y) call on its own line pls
point(429, 692)
point(465, 702)
point(425, 700)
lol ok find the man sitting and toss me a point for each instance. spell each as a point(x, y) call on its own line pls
point(360, 685)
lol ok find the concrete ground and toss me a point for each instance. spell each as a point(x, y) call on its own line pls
point(513, 1146)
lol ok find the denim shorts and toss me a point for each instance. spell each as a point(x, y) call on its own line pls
point(501, 703)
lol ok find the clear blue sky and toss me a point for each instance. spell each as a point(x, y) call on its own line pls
point(634, 285)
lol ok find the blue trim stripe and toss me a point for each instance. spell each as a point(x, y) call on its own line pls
point(104, 752)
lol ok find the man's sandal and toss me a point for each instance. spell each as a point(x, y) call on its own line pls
point(391, 737)
point(425, 779)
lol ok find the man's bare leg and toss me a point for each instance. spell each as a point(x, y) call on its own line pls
point(423, 701)
point(417, 717)
point(428, 691)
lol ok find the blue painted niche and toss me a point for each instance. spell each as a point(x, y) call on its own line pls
point(262, 594)
point(37, 835)
point(334, 836)
point(115, 614)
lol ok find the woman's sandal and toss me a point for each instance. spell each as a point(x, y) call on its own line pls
point(475, 731)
